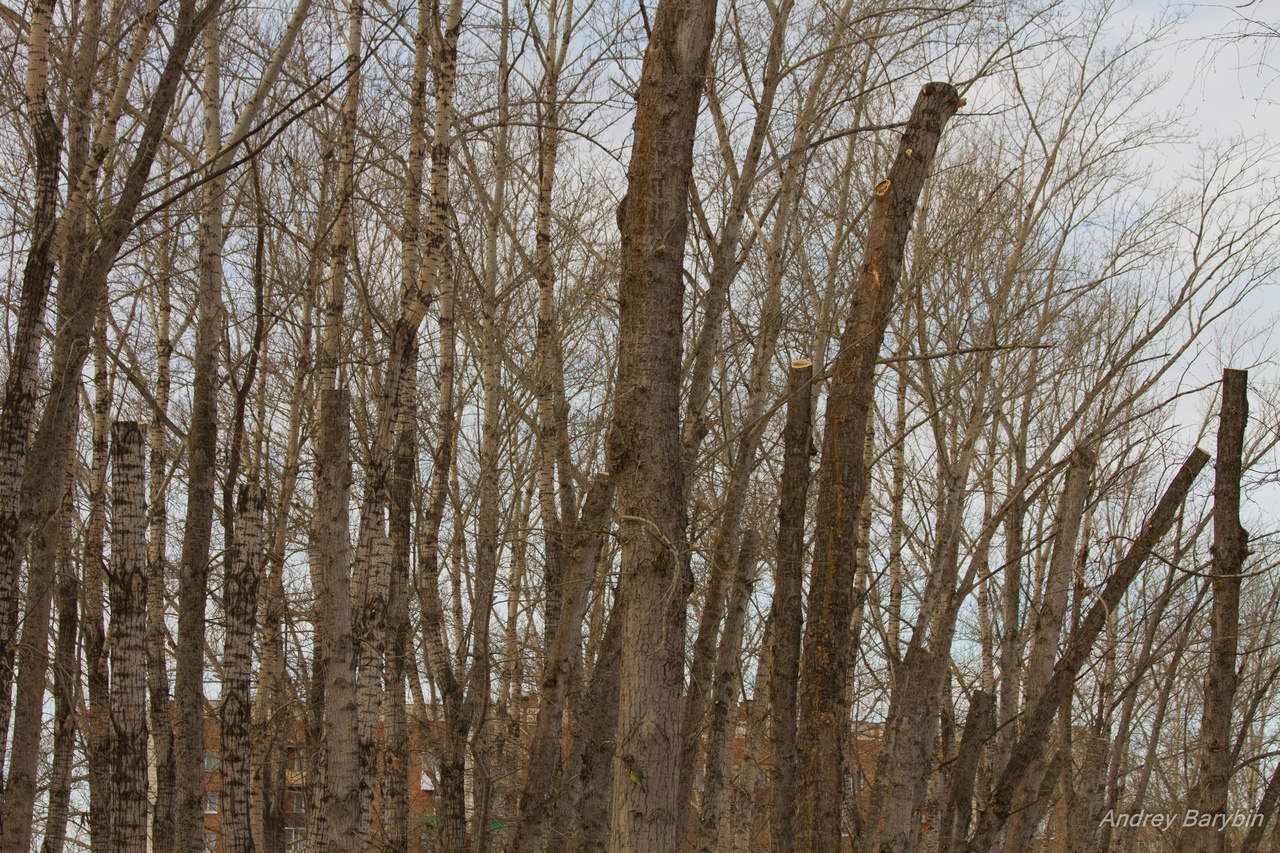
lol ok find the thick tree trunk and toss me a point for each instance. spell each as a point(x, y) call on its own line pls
point(128, 638)
point(240, 602)
point(1230, 546)
point(843, 473)
point(786, 617)
point(644, 452)
point(21, 384)
point(332, 554)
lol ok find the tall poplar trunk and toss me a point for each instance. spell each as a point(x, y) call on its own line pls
point(786, 616)
point(202, 458)
point(844, 472)
point(128, 638)
point(240, 602)
point(21, 383)
point(1230, 546)
point(644, 451)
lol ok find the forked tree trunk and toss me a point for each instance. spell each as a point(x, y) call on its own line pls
point(128, 638)
point(644, 451)
point(843, 473)
point(1230, 546)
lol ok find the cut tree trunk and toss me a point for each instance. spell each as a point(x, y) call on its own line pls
point(1230, 546)
point(843, 473)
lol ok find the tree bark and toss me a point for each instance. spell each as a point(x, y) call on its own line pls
point(1033, 734)
point(240, 601)
point(843, 472)
point(644, 450)
point(128, 638)
point(786, 616)
point(1230, 546)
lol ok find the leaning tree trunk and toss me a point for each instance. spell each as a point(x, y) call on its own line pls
point(1230, 546)
point(644, 450)
point(128, 638)
point(844, 472)
point(1033, 734)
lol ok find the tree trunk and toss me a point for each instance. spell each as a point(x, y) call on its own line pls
point(66, 682)
point(332, 555)
point(202, 460)
point(128, 638)
point(978, 728)
point(720, 747)
point(644, 451)
point(787, 616)
point(1034, 732)
point(1230, 546)
point(240, 601)
point(1048, 628)
point(843, 472)
point(539, 790)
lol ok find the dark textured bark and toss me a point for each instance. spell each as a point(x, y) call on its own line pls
point(1230, 545)
point(1034, 732)
point(202, 458)
point(723, 695)
point(786, 616)
point(66, 680)
point(128, 638)
point(332, 554)
point(240, 602)
point(843, 472)
point(978, 728)
point(23, 374)
point(644, 451)
point(538, 794)
point(594, 744)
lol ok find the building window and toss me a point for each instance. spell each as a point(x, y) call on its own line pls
point(211, 763)
point(295, 764)
point(210, 841)
point(427, 783)
point(211, 802)
point(295, 839)
point(299, 802)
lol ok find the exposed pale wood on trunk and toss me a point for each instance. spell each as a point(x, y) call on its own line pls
point(843, 473)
